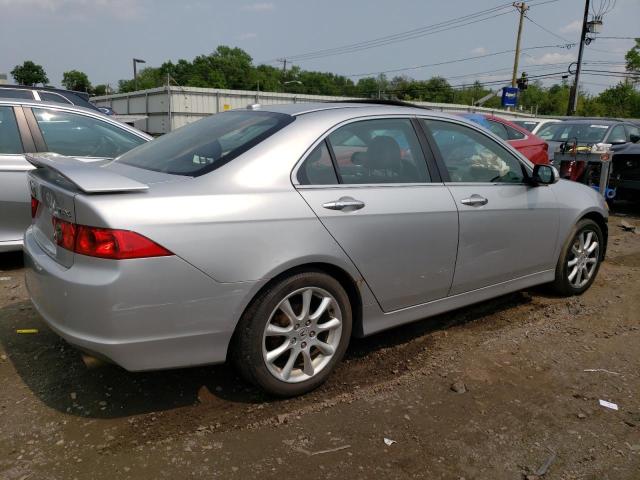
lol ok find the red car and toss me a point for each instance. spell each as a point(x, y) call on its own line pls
point(531, 146)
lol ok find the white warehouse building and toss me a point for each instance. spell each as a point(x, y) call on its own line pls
point(160, 110)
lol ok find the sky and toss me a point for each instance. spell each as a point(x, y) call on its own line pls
point(100, 37)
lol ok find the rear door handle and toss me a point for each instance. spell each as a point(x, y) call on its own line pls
point(474, 200)
point(344, 203)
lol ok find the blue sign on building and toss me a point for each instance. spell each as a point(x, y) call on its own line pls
point(509, 96)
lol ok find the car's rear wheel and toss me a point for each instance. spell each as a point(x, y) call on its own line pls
point(580, 259)
point(293, 334)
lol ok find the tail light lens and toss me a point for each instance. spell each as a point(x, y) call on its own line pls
point(105, 242)
point(34, 206)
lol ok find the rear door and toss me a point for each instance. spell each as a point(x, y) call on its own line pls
point(14, 197)
point(508, 229)
point(369, 184)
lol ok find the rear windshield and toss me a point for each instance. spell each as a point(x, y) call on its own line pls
point(581, 132)
point(207, 144)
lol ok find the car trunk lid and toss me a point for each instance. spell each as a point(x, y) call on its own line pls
point(54, 184)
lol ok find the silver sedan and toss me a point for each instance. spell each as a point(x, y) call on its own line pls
point(272, 235)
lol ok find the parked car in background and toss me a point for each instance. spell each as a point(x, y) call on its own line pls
point(107, 110)
point(30, 126)
point(531, 146)
point(626, 171)
point(241, 236)
point(47, 94)
point(596, 133)
point(535, 124)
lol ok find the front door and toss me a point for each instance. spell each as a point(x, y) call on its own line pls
point(508, 228)
point(369, 185)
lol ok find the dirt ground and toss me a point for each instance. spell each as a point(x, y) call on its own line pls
point(533, 368)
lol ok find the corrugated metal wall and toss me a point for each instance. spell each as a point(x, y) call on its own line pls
point(166, 112)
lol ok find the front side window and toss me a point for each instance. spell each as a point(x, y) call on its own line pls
point(378, 151)
point(580, 132)
point(207, 144)
point(617, 135)
point(10, 142)
point(470, 156)
point(634, 133)
point(83, 136)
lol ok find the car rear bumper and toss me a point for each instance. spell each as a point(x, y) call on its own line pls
point(142, 314)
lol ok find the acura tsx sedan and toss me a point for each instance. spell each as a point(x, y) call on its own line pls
point(272, 235)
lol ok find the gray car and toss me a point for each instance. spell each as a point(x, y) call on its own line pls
point(588, 131)
point(271, 235)
point(31, 126)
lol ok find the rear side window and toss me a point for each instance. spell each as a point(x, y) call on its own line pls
point(379, 151)
point(82, 135)
point(207, 144)
point(317, 168)
point(52, 97)
point(513, 133)
point(499, 129)
point(10, 142)
point(16, 93)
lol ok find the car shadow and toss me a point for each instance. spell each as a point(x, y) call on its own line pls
point(11, 261)
point(56, 373)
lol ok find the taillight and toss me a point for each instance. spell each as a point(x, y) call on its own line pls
point(545, 146)
point(34, 206)
point(105, 242)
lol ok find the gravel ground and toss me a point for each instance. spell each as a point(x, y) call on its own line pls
point(507, 389)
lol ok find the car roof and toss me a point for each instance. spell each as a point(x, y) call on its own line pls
point(601, 121)
point(83, 95)
point(362, 108)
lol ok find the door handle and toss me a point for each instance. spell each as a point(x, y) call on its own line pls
point(474, 200)
point(344, 203)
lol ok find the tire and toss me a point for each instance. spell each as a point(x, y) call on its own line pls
point(269, 334)
point(569, 282)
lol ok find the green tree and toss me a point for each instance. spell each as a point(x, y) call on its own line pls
point(76, 80)
point(29, 73)
point(632, 58)
point(101, 89)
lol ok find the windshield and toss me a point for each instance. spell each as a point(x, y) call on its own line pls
point(582, 132)
point(207, 144)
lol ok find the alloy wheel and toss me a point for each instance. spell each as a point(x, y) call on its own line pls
point(583, 259)
point(302, 334)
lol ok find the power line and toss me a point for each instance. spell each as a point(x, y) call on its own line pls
point(528, 17)
point(487, 14)
point(447, 62)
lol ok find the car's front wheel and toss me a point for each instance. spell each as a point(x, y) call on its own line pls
point(293, 334)
point(580, 259)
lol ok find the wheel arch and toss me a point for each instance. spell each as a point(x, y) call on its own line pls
point(602, 223)
point(346, 280)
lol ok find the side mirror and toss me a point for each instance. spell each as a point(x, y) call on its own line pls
point(544, 174)
point(634, 138)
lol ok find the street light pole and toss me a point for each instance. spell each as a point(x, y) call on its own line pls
point(573, 94)
point(135, 72)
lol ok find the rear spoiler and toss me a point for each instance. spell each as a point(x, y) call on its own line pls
point(87, 177)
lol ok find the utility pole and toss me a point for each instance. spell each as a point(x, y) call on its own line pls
point(573, 94)
point(284, 64)
point(522, 8)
